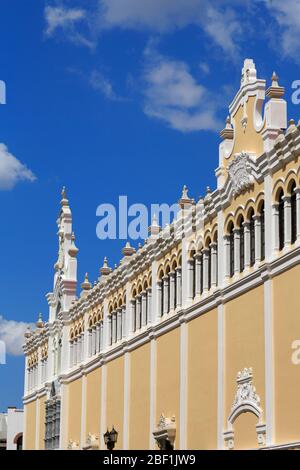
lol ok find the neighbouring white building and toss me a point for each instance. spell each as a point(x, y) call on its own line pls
point(11, 429)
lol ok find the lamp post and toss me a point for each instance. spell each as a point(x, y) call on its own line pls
point(110, 438)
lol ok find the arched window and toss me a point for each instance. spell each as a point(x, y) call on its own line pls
point(281, 219)
point(231, 250)
point(252, 237)
point(262, 231)
point(242, 245)
point(293, 213)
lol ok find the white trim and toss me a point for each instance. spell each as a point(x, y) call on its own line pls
point(220, 376)
point(64, 416)
point(152, 423)
point(269, 366)
point(183, 385)
point(126, 401)
point(83, 435)
point(37, 423)
point(103, 407)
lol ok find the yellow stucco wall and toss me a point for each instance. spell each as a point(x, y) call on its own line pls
point(74, 410)
point(42, 413)
point(286, 320)
point(93, 402)
point(202, 382)
point(245, 436)
point(30, 426)
point(244, 345)
point(168, 378)
point(115, 397)
point(139, 398)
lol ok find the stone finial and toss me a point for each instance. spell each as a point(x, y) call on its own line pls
point(185, 200)
point(128, 250)
point(105, 270)
point(73, 250)
point(248, 72)
point(86, 285)
point(40, 323)
point(28, 332)
point(154, 228)
point(227, 132)
point(275, 91)
point(64, 201)
point(291, 127)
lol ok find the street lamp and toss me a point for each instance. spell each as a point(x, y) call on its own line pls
point(110, 438)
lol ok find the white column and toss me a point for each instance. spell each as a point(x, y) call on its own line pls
point(114, 327)
point(198, 275)
point(149, 304)
point(166, 294)
point(236, 251)
point(172, 290)
point(138, 312)
point(97, 338)
point(144, 309)
point(110, 332)
point(178, 287)
point(227, 256)
point(159, 309)
point(190, 293)
point(287, 221)
point(71, 354)
point(119, 324)
point(124, 321)
point(94, 341)
point(257, 232)
point(183, 385)
point(275, 226)
point(101, 336)
point(247, 244)
point(79, 349)
point(90, 342)
point(214, 264)
point(205, 269)
point(132, 315)
point(297, 191)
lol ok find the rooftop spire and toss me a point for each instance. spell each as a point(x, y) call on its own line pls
point(64, 200)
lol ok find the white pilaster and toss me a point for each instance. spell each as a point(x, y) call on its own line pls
point(183, 385)
point(126, 423)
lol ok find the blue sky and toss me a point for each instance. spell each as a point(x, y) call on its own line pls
point(110, 98)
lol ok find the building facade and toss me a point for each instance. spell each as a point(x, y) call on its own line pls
point(192, 341)
point(11, 429)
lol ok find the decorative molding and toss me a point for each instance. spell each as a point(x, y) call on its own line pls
point(73, 445)
point(165, 432)
point(246, 400)
point(240, 173)
point(92, 442)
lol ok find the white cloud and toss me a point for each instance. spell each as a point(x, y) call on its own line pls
point(67, 20)
point(287, 15)
point(103, 84)
point(174, 96)
point(12, 170)
point(12, 334)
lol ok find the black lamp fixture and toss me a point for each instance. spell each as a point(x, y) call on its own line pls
point(110, 438)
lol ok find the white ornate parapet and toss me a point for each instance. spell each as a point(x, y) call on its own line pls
point(246, 400)
point(165, 432)
point(92, 442)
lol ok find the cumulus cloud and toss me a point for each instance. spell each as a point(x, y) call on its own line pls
point(174, 96)
point(102, 84)
point(66, 20)
point(12, 170)
point(287, 15)
point(12, 334)
point(217, 20)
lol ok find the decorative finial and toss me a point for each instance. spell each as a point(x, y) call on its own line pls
point(184, 192)
point(73, 250)
point(28, 332)
point(105, 270)
point(40, 323)
point(86, 285)
point(128, 250)
point(274, 79)
point(64, 201)
point(227, 132)
point(185, 200)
